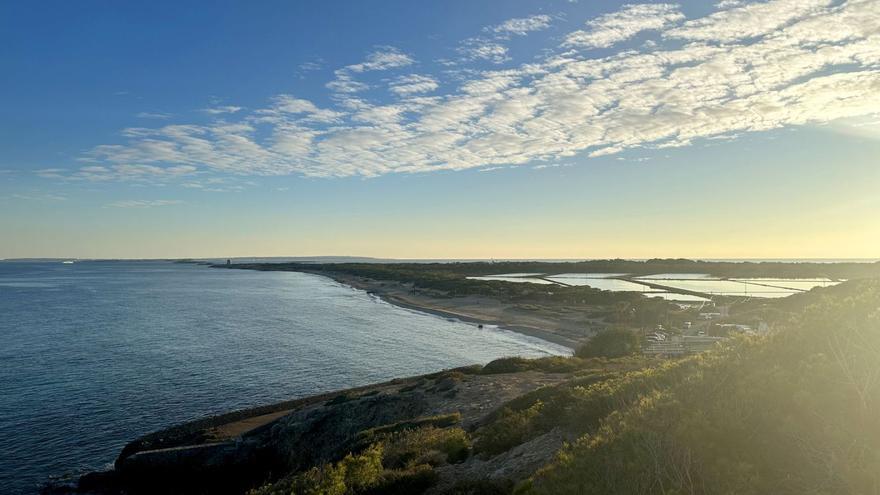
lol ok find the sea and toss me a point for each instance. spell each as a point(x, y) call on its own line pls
point(96, 353)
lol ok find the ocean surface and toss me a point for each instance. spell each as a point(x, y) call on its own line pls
point(94, 354)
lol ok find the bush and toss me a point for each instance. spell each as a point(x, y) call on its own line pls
point(397, 461)
point(325, 480)
point(354, 473)
point(557, 364)
point(578, 405)
point(427, 445)
point(413, 480)
point(509, 430)
point(381, 432)
point(362, 471)
point(506, 365)
point(611, 343)
point(552, 364)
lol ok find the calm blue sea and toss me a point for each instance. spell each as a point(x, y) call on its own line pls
point(94, 354)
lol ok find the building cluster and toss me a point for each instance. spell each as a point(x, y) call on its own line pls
point(699, 336)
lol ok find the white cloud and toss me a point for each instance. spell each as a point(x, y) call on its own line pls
point(521, 26)
point(610, 29)
point(749, 20)
point(802, 68)
point(222, 110)
point(286, 104)
point(491, 48)
point(383, 59)
point(726, 4)
point(154, 115)
point(482, 49)
point(413, 84)
point(344, 83)
point(124, 171)
point(143, 203)
point(314, 65)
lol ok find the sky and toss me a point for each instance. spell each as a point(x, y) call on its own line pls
point(440, 129)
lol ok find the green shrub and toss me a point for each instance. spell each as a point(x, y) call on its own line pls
point(364, 473)
point(353, 474)
point(381, 432)
point(324, 480)
point(363, 470)
point(611, 343)
point(577, 405)
point(506, 365)
point(428, 445)
point(557, 364)
point(510, 429)
point(552, 364)
point(410, 481)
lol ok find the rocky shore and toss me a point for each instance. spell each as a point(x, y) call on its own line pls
point(231, 453)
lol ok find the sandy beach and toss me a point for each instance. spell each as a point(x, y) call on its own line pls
point(567, 329)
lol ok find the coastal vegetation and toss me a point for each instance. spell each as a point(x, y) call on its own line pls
point(398, 460)
point(613, 342)
point(792, 412)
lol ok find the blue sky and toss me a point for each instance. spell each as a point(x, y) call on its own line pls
point(440, 129)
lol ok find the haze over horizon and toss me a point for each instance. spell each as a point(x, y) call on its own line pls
point(558, 129)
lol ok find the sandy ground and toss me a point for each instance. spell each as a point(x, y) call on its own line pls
point(568, 328)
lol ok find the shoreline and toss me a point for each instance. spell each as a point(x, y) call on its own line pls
point(376, 289)
point(520, 329)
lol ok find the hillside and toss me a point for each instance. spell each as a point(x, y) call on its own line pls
point(793, 413)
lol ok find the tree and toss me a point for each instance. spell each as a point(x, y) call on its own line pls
point(614, 342)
